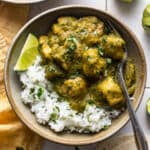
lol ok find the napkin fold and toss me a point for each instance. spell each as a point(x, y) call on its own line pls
point(13, 134)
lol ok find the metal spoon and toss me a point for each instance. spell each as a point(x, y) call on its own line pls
point(140, 138)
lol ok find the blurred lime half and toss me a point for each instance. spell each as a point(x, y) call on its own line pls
point(148, 105)
point(128, 1)
point(146, 18)
point(28, 53)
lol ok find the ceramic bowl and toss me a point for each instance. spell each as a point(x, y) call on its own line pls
point(22, 1)
point(41, 25)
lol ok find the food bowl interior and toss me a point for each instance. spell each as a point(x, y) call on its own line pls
point(41, 25)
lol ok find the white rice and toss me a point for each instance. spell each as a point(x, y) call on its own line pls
point(50, 110)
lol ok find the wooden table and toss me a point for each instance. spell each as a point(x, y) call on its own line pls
point(131, 15)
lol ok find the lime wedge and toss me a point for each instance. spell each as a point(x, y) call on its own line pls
point(148, 105)
point(128, 1)
point(28, 53)
point(146, 18)
point(146, 12)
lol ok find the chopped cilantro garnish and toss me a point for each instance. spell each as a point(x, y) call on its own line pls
point(57, 108)
point(105, 127)
point(40, 92)
point(88, 117)
point(107, 30)
point(74, 75)
point(60, 98)
point(90, 102)
point(32, 90)
point(100, 51)
point(72, 45)
point(108, 60)
point(104, 39)
point(54, 116)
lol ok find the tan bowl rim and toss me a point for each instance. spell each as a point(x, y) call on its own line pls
point(7, 84)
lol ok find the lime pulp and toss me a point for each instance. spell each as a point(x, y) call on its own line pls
point(148, 105)
point(146, 18)
point(28, 54)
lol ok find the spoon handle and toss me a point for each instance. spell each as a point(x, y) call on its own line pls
point(140, 138)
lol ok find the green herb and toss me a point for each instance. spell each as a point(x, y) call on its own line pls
point(107, 30)
point(71, 115)
point(88, 117)
point(86, 48)
point(90, 102)
point(71, 48)
point(74, 75)
point(58, 110)
point(40, 92)
point(19, 148)
point(108, 60)
point(105, 127)
point(51, 69)
point(104, 39)
point(54, 116)
point(32, 90)
point(105, 73)
point(100, 51)
point(83, 31)
point(60, 98)
point(72, 44)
